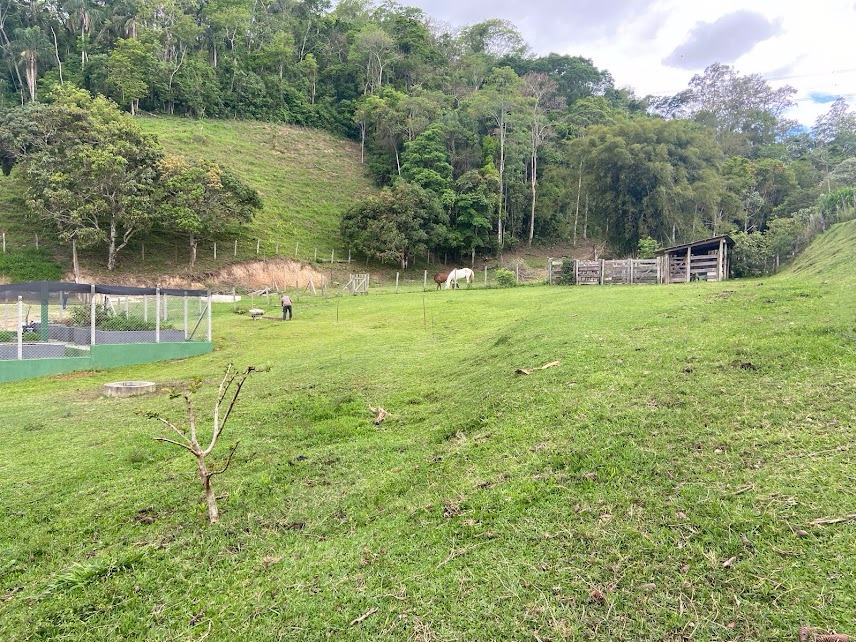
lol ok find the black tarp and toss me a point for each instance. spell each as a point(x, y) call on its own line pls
point(38, 287)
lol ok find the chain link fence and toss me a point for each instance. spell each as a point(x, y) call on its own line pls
point(51, 320)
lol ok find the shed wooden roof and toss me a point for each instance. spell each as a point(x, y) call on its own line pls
point(710, 243)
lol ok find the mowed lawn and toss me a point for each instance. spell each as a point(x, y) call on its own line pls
point(660, 483)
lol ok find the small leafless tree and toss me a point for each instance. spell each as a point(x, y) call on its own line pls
point(227, 393)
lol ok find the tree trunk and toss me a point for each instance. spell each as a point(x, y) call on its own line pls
point(499, 230)
point(210, 498)
point(194, 243)
point(585, 224)
point(111, 250)
point(579, 193)
point(534, 175)
point(75, 263)
point(32, 77)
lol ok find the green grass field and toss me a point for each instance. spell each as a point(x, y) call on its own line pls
point(659, 484)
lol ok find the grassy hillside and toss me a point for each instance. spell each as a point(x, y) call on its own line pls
point(307, 179)
point(829, 257)
point(660, 483)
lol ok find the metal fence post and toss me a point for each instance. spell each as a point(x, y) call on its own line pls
point(92, 315)
point(20, 328)
point(209, 316)
point(425, 281)
point(157, 315)
point(185, 316)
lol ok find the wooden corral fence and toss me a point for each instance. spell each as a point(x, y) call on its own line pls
point(358, 284)
point(707, 260)
point(603, 272)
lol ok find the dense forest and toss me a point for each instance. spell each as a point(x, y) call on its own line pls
point(479, 144)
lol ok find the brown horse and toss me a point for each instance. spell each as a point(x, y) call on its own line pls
point(440, 278)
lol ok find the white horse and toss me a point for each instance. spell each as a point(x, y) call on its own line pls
point(465, 274)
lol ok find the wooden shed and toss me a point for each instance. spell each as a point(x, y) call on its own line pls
point(707, 260)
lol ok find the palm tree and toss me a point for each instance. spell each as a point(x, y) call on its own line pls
point(30, 45)
point(81, 15)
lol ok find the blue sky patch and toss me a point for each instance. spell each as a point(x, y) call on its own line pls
point(822, 98)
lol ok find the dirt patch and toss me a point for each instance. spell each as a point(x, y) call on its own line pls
point(249, 275)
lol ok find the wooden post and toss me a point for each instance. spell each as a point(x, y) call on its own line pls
point(349, 256)
point(258, 245)
point(689, 256)
point(332, 256)
point(549, 271)
point(296, 248)
point(21, 325)
point(517, 272)
point(316, 254)
point(659, 260)
point(631, 271)
point(485, 276)
point(396, 282)
point(37, 241)
point(215, 250)
point(425, 281)
point(236, 247)
point(602, 271)
point(719, 261)
point(92, 315)
point(4, 242)
point(576, 272)
point(144, 251)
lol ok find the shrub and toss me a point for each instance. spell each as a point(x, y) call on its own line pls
point(648, 248)
point(505, 278)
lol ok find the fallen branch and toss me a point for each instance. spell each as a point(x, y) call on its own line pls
point(365, 615)
point(524, 371)
point(821, 521)
point(743, 489)
point(380, 414)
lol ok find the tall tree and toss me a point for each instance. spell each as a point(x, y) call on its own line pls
point(104, 163)
point(499, 99)
point(647, 177)
point(541, 93)
point(200, 198)
point(31, 46)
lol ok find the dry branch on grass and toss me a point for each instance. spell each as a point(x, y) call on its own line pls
point(822, 521)
point(365, 615)
point(524, 371)
point(379, 413)
point(189, 439)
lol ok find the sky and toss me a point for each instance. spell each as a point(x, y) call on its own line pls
point(656, 46)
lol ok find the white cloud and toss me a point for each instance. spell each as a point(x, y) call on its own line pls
point(812, 45)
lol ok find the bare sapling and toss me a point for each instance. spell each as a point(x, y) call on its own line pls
point(227, 394)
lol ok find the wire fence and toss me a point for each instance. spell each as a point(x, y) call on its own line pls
point(50, 320)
